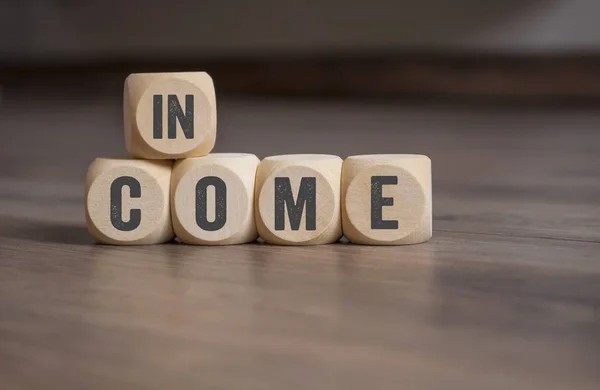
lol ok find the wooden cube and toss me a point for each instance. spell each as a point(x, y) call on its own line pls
point(127, 201)
point(386, 199)
point(212, 199)
point(298, 199)
point(169, 115)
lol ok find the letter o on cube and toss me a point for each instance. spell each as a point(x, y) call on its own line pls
point(169, 115)
point(212, 199)
point(386, 199)
point(127, 201)
point(298, 199)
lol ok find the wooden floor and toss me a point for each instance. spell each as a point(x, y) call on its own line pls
point(505, 296)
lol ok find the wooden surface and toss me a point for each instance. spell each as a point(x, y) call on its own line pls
point(505, 296)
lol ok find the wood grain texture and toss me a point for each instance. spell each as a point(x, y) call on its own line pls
point(505, 294)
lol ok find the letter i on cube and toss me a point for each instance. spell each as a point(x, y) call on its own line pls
point(169, 115)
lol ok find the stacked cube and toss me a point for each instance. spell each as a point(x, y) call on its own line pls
point(172, 186)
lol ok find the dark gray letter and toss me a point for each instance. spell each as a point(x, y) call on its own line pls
point(116, 203)
point(378, 201)
point(174, 113)
point(157, 108)
point(220, 203)
point(306, 195)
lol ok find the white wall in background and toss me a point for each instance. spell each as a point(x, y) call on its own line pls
point(103, 29)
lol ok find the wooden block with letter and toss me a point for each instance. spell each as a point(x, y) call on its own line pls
point(127, 201)
point(298, 199)
point(386, 199)
point(169, 115)
point(212, 199)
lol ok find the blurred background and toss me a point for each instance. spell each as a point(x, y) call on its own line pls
point(526, 49)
